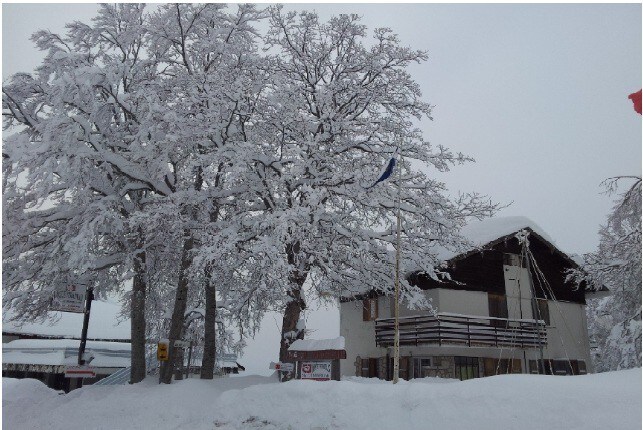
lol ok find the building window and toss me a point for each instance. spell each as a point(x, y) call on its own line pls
point(466, 368)
point(370, 309)
point(513, 260)
point(537, 367)
point(498, 309)
point(421, 367)
point(561, 367)
point(541, 311)
point(493, 366)
point(558, 367)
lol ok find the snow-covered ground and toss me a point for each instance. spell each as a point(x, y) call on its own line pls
point(603, 401)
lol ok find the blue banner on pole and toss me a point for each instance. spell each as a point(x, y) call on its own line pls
point(387, 173)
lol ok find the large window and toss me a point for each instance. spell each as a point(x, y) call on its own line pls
point(370, 309)
point(498, 309)
point(558, 367)
point(541, 311)
point(466, 368)
point(493, 366)
point(421, 367)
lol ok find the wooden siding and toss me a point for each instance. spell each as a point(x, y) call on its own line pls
point(483, 270)
point(327, 354)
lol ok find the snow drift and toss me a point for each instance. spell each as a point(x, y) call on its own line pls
point(602, 401)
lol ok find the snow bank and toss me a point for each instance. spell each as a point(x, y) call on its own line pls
point(526, 402)
point(24, 393)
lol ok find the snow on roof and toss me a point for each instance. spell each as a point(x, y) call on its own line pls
point(337, 343)
point(61, 352)
point(480, 233)
point(104, 323)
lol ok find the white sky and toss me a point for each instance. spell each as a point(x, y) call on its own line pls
point(537, 94)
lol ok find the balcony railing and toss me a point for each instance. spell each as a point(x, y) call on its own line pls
point(464, 330)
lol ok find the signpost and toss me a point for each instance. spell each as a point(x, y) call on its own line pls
point(83, 335)
point(69, 300)
point(283, 367)
point(317, 370)
point(80, 372)
point(162, 351)
point(181, 343)
point(228, 357)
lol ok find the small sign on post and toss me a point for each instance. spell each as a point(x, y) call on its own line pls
point(317, 370)
point(283, 367)
point(80, 372)
point(162, 351)
point(69, 301)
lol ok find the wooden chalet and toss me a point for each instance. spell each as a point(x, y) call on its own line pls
point(503, 306)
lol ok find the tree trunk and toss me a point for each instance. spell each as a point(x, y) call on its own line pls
point(210, 340)
point(289, 330)
point(180, 304)
point(296, 304)
point(137, 315)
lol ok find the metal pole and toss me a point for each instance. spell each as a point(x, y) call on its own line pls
point(396, 342)
point(534, 303)
point(187, 373)
point(83, 337)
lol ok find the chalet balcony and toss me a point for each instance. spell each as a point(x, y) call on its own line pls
point(462, 330)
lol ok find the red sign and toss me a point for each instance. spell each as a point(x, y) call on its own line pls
point(317, 370)
point(80, 372)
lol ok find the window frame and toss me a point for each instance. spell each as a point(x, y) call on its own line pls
point(418, 367)
point(370, 309)
point(466, 367)
point(540, 309)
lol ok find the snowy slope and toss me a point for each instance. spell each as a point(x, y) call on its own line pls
point(526, 402)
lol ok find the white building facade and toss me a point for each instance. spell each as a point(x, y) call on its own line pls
point(506, 309)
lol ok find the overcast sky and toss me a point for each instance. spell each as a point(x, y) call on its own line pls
point(537, 94)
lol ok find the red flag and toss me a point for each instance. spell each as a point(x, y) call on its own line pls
point(636, 99)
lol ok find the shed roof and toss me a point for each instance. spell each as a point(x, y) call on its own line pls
point(338, 343)
point(105, 323)
point(63, 352)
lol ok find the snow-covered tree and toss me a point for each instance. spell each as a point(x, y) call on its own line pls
point(76, 175)
point(165, 147)
point(615, 321)
point(340, 107)
point(130, 134)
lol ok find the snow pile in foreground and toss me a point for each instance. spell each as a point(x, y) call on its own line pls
point(610, 400)
point(24, 393)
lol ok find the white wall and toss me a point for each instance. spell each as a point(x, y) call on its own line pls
point(567, 335)
point(359, 334)
point(431, 295)
point(463, 302)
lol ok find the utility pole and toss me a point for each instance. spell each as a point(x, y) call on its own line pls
point(89, 296)
point(534, 302)
point(396, 341)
